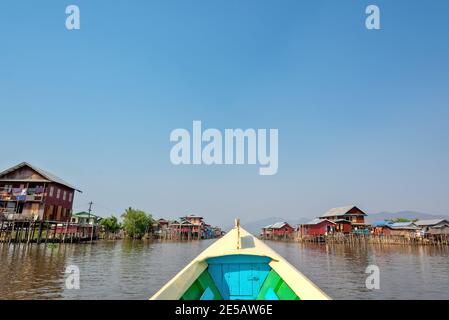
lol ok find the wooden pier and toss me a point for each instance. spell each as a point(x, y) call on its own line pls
point(26, 231)
point(360, 239)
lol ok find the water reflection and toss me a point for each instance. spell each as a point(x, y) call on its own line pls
point(406, 272)
point(131, 269)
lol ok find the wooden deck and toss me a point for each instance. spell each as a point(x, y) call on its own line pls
point(23, 231)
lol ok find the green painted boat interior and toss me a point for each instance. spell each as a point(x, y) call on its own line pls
point(239, 277)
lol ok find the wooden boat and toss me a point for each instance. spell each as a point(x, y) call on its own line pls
point(239, 267)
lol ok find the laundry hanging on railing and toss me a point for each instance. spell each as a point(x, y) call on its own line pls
point(21, 198)
point(39, 189)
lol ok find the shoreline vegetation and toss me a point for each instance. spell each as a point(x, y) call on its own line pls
point(136, 224)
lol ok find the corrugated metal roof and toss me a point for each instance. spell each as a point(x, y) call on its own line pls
point(382, 223)
point(342, 220)
point(45, 174)
point(278, 225)
point(441, 226)
point(317, 221)
point(193, 216)
point(403, 225)
point(338, 211)
point(430, 222)
point(84, 214)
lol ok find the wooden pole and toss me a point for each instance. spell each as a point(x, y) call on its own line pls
point(34, 230)
point(10, 232)
point(88, 220)
point(54, 232)
point(1, 230)
point(39, 235)
point(46, 233)
point(66, 230)
point(28, 232)
point(16, 234)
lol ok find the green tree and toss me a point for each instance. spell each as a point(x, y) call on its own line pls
point(111, 224)
point(136, 223)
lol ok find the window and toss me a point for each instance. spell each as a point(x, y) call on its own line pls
point(64, 195)
point(70, 197)
point(58, 213)
point(49, 214)
point(58, 193)
point(51, 191)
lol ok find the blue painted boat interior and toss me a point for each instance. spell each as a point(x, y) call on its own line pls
point(207, 295)
point(239, 277)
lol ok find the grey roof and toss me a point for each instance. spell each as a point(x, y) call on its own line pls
point(403, 225)
point(342, 220)
point(441, 226)
point(338, 211)
point(317, 221)
point(430, 222)
point(193, 216)
point(84, 214)
point(383, 223)
point(278, 225)
point(184, 220)
point(47, 175)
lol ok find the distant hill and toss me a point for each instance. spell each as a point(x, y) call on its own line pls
point(255, 226)
point(372, 217)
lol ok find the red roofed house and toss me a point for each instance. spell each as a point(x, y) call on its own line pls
point(347, 218)
point(279, 230)
point(188, 227)
point(317, 227)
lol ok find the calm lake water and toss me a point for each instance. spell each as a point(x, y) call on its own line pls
point(136, 269)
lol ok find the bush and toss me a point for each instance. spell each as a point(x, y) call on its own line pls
point(136, 223)
point(111, 224)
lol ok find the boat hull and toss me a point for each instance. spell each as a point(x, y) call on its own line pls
point(239, 267)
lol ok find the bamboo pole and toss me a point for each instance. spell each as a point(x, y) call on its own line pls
point(46, 232)
point(39, 235)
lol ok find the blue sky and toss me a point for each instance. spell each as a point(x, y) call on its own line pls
point(363, 116)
